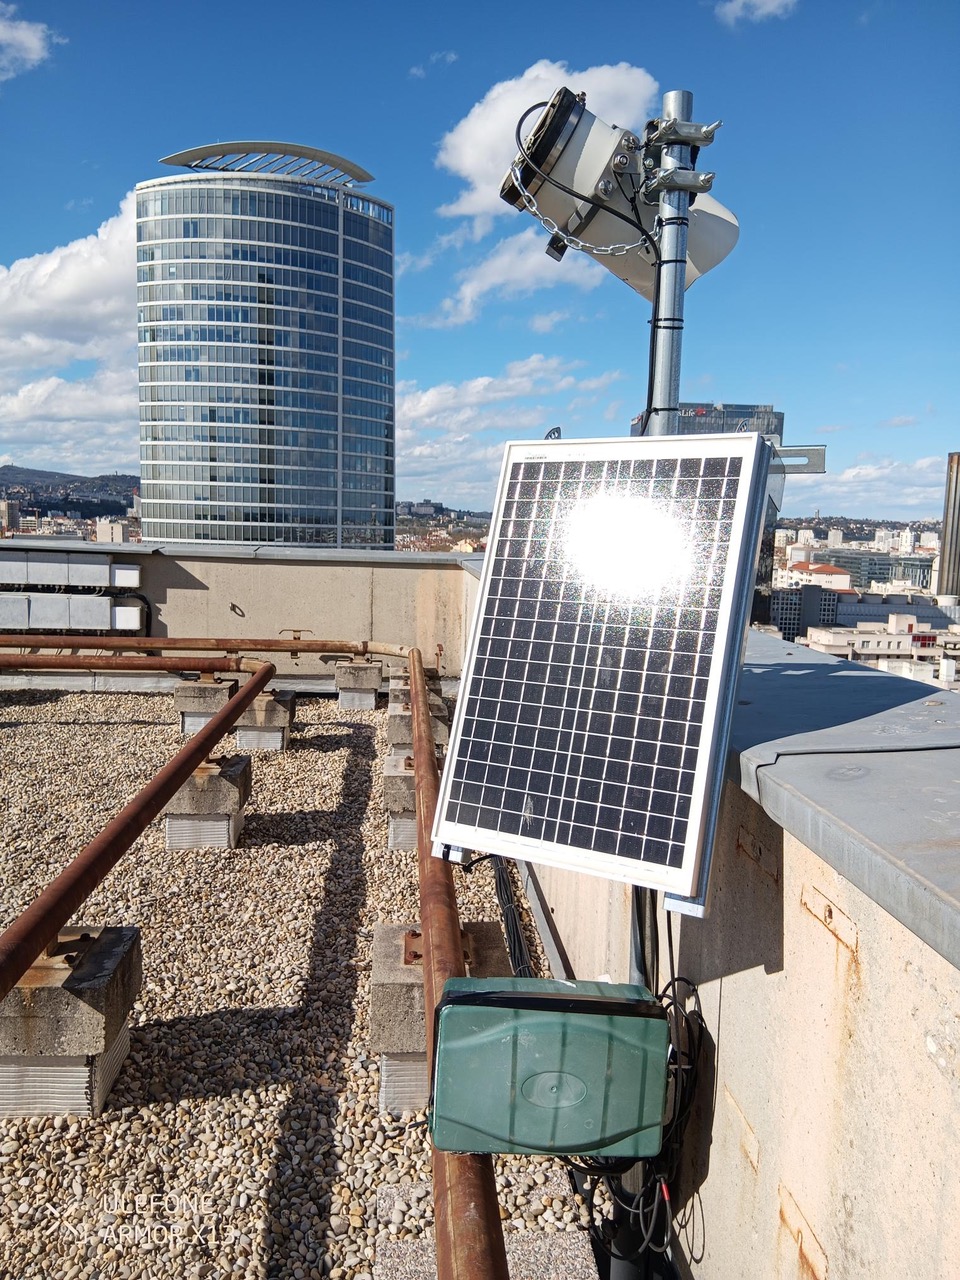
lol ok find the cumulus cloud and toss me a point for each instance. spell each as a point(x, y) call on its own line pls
point(76, 302)
point(88, 426)
point(60, 312)
point(731, 11)
point(450, 437)
point(516, 267)
point(880, 487)
point(478, 150)
point(23, 45)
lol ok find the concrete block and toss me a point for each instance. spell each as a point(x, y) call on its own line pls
point(400, 726)
point(275, 709)
point(76, 1009)
point(398, 781)
point(220, 785)
point(203, 697)
point(399, 690)
point(402, 830)
point(359, 675)
point(397, 1023)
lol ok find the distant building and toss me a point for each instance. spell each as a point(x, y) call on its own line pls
point(794, 609)
point(866, 566)
point(803, 573)
point(834, 537)
point(695, 417)
point(113, 531)
point(9, 515)
point(266, 350)
point(948, 579)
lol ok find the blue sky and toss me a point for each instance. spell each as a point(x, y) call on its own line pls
point(838, 155)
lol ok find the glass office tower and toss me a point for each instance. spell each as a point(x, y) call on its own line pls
point(266, 347)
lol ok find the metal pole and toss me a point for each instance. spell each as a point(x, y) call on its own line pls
point(468, 1233)
point(674, 213)
point(39, 924)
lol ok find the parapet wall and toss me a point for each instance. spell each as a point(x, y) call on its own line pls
point(412, 599)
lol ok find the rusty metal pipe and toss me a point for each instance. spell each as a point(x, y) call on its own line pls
point(468, 1233)
point(39, 924)
point(115, 662)
point(226, 644)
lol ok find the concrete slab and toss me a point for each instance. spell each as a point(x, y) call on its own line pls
point(220, 785)
point(69, 1008)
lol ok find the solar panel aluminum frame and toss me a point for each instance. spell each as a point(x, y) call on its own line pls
point(722, 583)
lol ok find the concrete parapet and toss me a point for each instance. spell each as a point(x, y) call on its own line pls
point(358, 684)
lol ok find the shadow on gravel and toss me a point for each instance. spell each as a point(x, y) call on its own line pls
point(303, 1047)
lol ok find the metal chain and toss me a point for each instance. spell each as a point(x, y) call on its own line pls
point(548, 224)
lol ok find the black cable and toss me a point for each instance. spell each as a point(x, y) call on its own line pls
point(520, 960)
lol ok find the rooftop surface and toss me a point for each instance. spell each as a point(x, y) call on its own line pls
point(249, 1080)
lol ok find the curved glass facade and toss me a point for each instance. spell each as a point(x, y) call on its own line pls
point(266, 348)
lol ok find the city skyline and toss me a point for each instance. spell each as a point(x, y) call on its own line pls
point(812, 312)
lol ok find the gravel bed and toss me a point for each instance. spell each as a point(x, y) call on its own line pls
point(242, 1137)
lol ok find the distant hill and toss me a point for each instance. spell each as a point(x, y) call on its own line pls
point(65, 484)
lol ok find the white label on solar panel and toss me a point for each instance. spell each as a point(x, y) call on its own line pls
point(594, 705)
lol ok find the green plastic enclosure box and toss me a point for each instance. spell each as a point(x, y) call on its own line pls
point(533, 1065)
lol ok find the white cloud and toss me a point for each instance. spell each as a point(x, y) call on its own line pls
point(445, 58)
point(903, 420)
point(730, 11)
point(77, 302)
point(547, 321)
point(516, 267)
point(481, 146)
point(73, 305)
point(450, 437)
point(879, 487)
point(23, 45)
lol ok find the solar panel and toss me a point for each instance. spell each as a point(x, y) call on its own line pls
point(598, 683)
